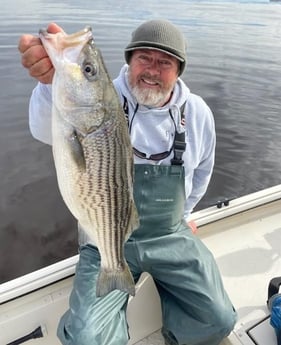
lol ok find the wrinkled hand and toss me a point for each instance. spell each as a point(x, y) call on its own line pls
point(35, 58)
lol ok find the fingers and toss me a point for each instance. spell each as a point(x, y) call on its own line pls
point(42, 70)
point(32, 50)
point(27, 41)
point(34, 56)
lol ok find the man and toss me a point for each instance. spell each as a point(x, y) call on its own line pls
point(173, 136)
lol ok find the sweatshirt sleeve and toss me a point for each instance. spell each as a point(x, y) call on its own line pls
point(203, 143)
point(40, 113)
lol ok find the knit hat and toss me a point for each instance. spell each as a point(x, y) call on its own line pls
point(160, 35)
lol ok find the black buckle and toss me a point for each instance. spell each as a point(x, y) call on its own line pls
point(179, 148)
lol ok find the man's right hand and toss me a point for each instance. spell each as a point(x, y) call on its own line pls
point(35, 58)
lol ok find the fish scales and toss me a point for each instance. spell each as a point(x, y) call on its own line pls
point(111, 196)
point(92, 152)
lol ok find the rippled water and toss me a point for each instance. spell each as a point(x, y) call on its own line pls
point(233, 63)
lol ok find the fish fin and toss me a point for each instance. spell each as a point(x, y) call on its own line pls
point(77, 152)
point(135, 218)
point(133, 221)
point(116, 279)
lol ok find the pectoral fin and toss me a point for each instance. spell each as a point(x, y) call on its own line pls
point(76, 150)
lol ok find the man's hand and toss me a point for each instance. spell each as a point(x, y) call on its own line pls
point(35, 58)
point(192, 226)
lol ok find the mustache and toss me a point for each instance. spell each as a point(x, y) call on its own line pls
point(151, 78)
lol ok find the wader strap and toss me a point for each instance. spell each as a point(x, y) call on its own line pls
point(126, 108)
point(179, 142)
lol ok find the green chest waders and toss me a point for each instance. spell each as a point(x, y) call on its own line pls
point(195, 307)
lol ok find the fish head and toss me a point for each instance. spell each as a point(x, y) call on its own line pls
point(65, 51)
point(81, 84)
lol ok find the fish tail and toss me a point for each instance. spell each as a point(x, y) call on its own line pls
point(115, 279)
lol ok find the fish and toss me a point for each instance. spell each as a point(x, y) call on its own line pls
point(92, 152)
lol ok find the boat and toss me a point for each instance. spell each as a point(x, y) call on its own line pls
point(244, 234)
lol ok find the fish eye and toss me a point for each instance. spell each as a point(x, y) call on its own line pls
point(90, 70)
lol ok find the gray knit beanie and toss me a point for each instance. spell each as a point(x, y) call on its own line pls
point(160, 35)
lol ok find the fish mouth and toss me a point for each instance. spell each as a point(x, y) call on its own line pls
point(72, 40)
point(63, 47)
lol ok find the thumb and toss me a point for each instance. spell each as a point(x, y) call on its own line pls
point(53, 28)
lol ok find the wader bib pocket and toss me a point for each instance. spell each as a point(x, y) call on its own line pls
point(159, 194)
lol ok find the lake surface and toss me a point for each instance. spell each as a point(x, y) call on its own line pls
point(234, 50)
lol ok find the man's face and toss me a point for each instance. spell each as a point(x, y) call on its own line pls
point(152, 75)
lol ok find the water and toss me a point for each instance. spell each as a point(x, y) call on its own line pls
point(233, 63)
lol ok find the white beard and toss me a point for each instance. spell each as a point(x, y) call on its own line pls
point(148, 97)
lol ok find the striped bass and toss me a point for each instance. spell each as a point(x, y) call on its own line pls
point(92, 152)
